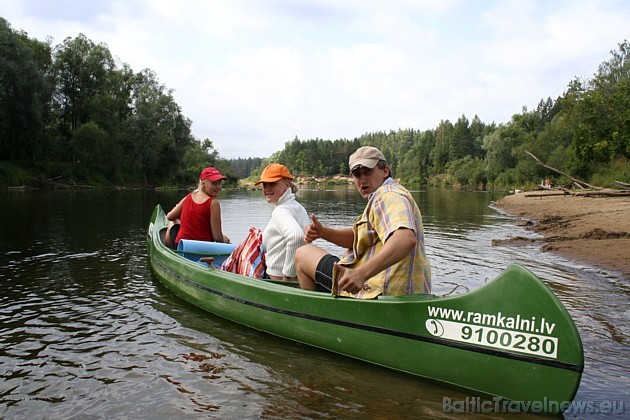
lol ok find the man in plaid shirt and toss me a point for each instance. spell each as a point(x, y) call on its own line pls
point(386, 253)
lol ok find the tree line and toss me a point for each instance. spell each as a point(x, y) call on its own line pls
point(71, 112)
point(585, 132)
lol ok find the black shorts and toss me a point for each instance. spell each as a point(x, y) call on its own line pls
point(174, 232)
point(324, 273)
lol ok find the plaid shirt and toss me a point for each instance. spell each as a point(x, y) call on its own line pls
point(390, 208)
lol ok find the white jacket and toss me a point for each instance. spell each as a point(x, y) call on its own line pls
point(284, 235)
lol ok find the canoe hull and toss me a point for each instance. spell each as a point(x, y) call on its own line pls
point(512, 338)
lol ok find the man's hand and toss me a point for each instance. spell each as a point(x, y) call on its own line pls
point(314, 230)
point(351, 280)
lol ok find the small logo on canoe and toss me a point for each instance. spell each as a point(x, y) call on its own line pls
point(435, 327)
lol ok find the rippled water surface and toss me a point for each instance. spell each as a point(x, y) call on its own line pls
point(87, 332)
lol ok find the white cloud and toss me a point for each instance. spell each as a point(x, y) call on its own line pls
point(253, 75)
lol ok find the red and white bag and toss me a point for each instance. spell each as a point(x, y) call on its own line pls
point(248, 258)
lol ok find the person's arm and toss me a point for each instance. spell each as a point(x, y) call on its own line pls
point(176, 211)
point(396, 247)
point(215, 222)
point(344, 237)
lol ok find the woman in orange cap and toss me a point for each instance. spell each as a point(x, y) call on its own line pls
point(198, 215)
point(284, 233)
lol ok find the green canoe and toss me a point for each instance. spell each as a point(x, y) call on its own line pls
point(511, 338)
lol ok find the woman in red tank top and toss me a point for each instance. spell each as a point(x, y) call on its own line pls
point(198, 215)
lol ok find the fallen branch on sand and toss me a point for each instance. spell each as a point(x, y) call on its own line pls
point(581, 184)
point(598, 191)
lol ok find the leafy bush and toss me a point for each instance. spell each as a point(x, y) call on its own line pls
point(12, 175)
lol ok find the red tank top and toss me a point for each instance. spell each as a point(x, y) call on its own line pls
point(195, 220)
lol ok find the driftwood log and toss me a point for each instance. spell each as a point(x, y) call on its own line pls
point(595, 191)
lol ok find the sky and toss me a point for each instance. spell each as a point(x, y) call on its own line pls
point(252, 75)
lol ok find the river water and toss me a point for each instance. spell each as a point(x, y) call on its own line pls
point(87, 332)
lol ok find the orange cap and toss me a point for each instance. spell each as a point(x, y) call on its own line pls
point(273, 173)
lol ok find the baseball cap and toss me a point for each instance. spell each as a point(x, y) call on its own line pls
point(211, 174)
point(273, 173)
point(367, 156)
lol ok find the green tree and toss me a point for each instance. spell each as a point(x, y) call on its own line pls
point(440, 153)
point(149, 137)
point(597, 113)
point(89, 146)
point(477, 132)
point(461, 144)
point(468, 171)
point(300, 162)
point(81, 71)
point(25, 92)
point(498, 147)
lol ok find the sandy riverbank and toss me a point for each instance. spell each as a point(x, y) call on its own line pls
point(595, 230)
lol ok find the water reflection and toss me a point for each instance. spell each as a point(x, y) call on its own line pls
point(87, 332)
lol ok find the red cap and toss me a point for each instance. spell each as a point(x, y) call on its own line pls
point(211, 174)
